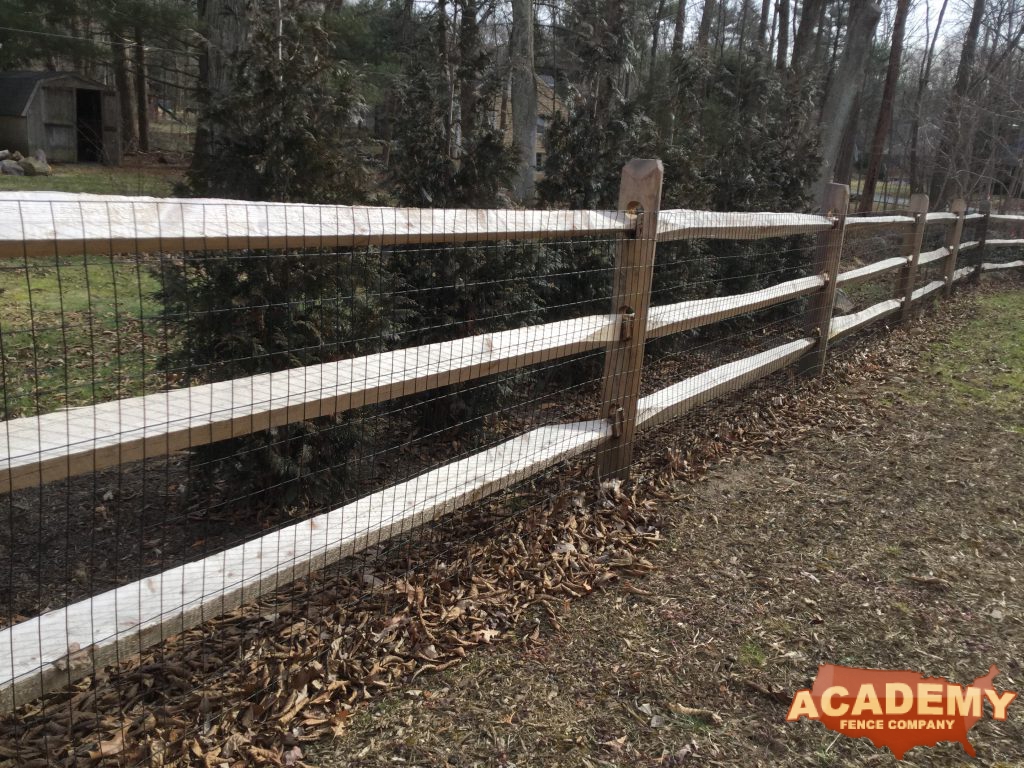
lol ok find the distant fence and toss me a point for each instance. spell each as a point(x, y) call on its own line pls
point(99, 375)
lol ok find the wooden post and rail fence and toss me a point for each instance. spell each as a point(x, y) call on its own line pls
point(62, 645)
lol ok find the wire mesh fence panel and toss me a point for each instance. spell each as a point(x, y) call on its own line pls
point(263, 460)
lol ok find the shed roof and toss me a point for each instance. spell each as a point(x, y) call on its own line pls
point(17, 88)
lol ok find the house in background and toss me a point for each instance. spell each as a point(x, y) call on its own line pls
point(548, 105)
point(72, 118)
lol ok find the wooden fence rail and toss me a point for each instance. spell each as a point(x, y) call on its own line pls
point(60, 646)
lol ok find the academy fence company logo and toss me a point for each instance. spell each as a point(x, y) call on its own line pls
point(898, 709)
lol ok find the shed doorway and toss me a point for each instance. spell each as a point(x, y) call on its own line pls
point(89, 125)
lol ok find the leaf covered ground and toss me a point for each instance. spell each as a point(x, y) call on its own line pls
point(872, 519)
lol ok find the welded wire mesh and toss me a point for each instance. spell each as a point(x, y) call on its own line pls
point(275, 443)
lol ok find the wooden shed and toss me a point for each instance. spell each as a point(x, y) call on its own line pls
point(72, 118)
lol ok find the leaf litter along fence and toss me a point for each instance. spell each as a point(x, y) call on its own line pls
point(207, 400)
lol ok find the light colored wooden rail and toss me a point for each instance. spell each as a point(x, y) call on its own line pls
point(941, 217)
point(974, 217)
point(927, 290)
point(45, 652)
point(870, 270)
point(1007, 217)
point(961, 273)
point(988, 266)
point(969, 245)
point(1004, 243)
point(684, 224)
point(685, 315)
point(937, 255)
point(49, 223)
point(689, 393)
point(70, 442)
point(869, 223)
point(843, 325)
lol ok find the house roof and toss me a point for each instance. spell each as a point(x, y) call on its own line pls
point(18, 88)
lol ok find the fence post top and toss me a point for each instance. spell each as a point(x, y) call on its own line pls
point(958, 206)
point(642, 167)
point(640, 186)
point(919, 203)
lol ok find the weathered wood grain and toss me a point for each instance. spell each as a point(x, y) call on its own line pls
point(927, 290)
point(928, 257)
point(988, 266)
point(674, 400)
point(682, 316)
point(870, 270)
point(828, 253)
point(867, 223)
point(639, 189)
point(846, 324)
point(685, 224)
point(911, 245)
point(49, 223)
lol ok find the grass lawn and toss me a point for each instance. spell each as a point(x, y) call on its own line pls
point(985, 360)
point(128, 179)
point(77, 331)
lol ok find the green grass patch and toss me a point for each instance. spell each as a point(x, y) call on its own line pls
point(76, 331)
point(752, 654)
point(95, 179)
point(983, 360)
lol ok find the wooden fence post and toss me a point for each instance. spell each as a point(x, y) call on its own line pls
point(982, 233)
point(912, 250)
point(639, 191)
point(827, 253)
point(959, 207)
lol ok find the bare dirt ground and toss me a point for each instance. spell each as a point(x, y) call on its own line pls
point(872, 518)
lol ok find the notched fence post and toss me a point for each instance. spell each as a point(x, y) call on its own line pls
point(959, 207)
point(827, 254)
point(912, 250)
point(982, 233)
point(639, 192)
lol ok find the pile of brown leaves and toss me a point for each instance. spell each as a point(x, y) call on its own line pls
point(253, 686)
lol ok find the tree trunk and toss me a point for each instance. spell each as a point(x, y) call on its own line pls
point(677, 33)
point(141, 90)
point(469, 73)
point(864, 16)
point(524, 97)
point(655, 34)
point(892, 76)
point(783, 36)
point(762, 24)
point(744, 15)
point(804, 42)
point(844, 162)
point(119, 63)
point(707, 18)
point(226, 27)
point(951, 128)
point(448, 119)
